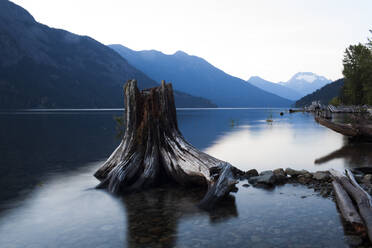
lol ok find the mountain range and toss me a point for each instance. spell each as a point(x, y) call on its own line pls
point(306, 82)
point(275, 88)
point(195, 76)
point(43, 67)
point(324, 94)
point(301, 84)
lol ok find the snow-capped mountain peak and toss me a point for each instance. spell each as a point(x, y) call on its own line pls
point(306, 82)
point(308, 78)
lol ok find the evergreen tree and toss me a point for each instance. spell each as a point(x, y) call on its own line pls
point(357, 71)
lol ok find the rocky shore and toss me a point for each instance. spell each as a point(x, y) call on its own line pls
point(320, 181)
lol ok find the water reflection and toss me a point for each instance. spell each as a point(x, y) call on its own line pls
point(273, 146)
point(153, 216)
point(47, 196)
point(34, 145)
point(65, 211)
point(353, 154)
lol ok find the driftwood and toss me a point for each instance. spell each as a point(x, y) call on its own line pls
point(345, 129)
point(355, 130)
point(364, 202)
point(360, 197)
point(153, 150)
point(347, 209)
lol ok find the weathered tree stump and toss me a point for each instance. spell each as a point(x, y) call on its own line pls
point(153, 150)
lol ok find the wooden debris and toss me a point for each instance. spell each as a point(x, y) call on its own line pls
point(345, 129)
point(347, 209)
point(360, 129)
point(360, 197)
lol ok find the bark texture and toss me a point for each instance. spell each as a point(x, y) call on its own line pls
point(359, 195)
point(347, 209)
point(153, 150)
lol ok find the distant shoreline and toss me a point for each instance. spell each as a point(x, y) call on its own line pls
point(121, 109)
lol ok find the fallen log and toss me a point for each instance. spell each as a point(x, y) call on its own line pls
point(345, 129)
point(153, 150)
point(360, 197)
point(358, 131)
point(347, 209)
point(364, 202)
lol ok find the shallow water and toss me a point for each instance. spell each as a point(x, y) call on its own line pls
point(48, 197)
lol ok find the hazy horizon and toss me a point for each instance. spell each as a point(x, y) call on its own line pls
point(257, 38)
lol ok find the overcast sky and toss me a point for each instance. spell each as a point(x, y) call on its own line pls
point(273, 39)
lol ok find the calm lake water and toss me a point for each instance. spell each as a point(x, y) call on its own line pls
point(48, 199)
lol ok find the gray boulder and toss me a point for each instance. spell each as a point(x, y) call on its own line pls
point(304, 179)
point(367, 180)
point(265, 177)
point(321, 175)
point(280, 175)
point(280, 172)
point(295, 173)
point(251, 173)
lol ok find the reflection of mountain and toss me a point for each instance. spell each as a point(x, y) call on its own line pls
point(33, 145)
point(153, 215)
point(354, 155)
